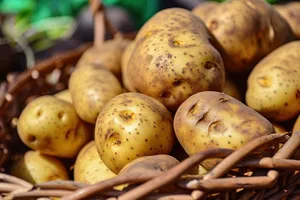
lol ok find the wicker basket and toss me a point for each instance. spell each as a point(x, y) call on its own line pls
point(247, 173)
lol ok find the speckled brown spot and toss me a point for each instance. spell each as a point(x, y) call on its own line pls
point(298, 94)
point(209, 65)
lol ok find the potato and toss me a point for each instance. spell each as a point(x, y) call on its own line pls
point(89, 167)
point(247, 30)
point(125, 59)
point(174, 58)
point(216, 120)
point(64, 95)
point(231, 89)
point(291, 13)
point(278, 128)
point(36, 167)
point(274, 84)
point(203, 9)
point(107, 56)
point(91, 88)
point(132, 125)
point(52, 127)
point(297, 125)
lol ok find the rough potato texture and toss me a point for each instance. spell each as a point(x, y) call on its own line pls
point(247, 30)
point(291, 13)
point(107, 56)
point(89, 167)
point(174, 58)
point(274, 84)
point(64, 95)
point(297, 125)
point(35, 168)
point(231, 89)
point(132, 125)
point(52, 127)
point(204, 9)
point(125, 59)
point(216, 120)
point(91, 88)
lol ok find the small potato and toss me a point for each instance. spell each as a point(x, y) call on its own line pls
point(278, 128)
point(174, 58)
point(274, 84)
point(52, 127)
point(291, 13)
point(64, 95)
point(125, 59)
point(297, 125)
point(132, 125)
point(89, 167)
point(91, 88)
point(107, 56)
point(36, 167)
point(247, 30)
point(216, 120)
point(203, 9)
point(231, 89)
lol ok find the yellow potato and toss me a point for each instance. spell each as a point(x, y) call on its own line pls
point(52, 127)
point(91, 88)
point(89, 167)
point(174, 58)
point(35, 168)
point(64, 95)
point(297, 125)
point(132, 125)
point(107, 56)
point(274, 84)
point(231, 89)
point(125, 59)
point(291, 13)
point(216, 120)
point(247, 30)
point(204, 9)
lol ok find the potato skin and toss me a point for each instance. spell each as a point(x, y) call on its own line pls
point(89, 167)
point(91, 87)
point(174, 58)
point(216, 120)
point(132, 125)
point(247, 30)
point(36, 167)
point(125, 59)
point(291, 13)
point(274, 84)
point(107, 56)
point(231, 89)
point(297, 125)
point(204, 9)
point(64, 95)
point(52, 127)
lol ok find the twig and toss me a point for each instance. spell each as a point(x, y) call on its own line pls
point(61, 185)
point(15, 180)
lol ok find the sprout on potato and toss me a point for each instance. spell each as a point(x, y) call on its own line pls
point(130, 126)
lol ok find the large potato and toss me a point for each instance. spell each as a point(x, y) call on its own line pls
point(247, 30)
point(216, 120)
point(132, 125)
point(291, 13)
point(35, 168)
point(64, 95)
point(204, 9)
point(274, 84)
point(174, 58)
point(51, 126)
point(91, 87)
point(89, 167)
point(108, 55)
point(297, 125)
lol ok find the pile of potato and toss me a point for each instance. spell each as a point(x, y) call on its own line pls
point(175, 85)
